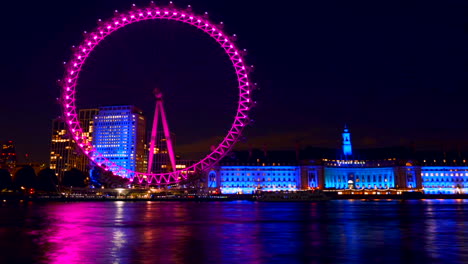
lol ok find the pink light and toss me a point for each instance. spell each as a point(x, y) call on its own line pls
point(191, 17)
point(141, 14)
point(166, 13)
point(124, 19)
point(79, 57)
point(89, 43)
point(68, 97)
point(84, 50)
point(175, 14)
point(132, 16)
point(149, 13)
point(95, 37)
point(108, 27)
point(72, 72)
point(70, 122)
point(69, 80)
point(157, 12)
point(247, 83)
point(102, 32)
point(183, 15)
point(248, 92)
point(68, 88)
point(198, 20)
point(116, 22)
point(76, 64)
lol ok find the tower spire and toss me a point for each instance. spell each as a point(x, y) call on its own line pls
point(347, 148)
point(159, 110)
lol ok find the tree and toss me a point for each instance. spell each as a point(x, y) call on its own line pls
point(107, 179)
point(74, 178)
point(25, 177)
point(5, 179)
point(47, 180)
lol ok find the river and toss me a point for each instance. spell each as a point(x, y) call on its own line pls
point(339, 231)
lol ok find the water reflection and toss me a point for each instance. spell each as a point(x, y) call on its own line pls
point(429, 231)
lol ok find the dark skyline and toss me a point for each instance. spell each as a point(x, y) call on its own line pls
point(395, 72)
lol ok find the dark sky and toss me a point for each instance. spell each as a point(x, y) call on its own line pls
point(394, 71)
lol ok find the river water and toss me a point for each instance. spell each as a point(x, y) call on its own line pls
point(426, 231)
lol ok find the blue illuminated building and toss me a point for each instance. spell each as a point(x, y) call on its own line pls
point(360, 178)
point(347, 147)
point(248, 179)
point(444, 179)
point(337, 170)
point(370, 174)
point(119, 135)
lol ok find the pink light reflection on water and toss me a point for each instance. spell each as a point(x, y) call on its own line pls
point(81, 229)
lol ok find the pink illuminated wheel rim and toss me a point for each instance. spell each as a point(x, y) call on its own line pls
point(154, 12)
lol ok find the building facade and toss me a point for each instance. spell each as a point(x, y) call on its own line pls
point(252, 173)
point(444, 179)
point(230, 179)
point(119, 135)
point(8, 155)
point(64, 153)
point(161, 159)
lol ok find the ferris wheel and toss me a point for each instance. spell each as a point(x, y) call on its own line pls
point(154, 12)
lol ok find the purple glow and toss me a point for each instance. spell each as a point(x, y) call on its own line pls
point(92, 41)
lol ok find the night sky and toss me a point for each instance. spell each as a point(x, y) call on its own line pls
point(394, 71)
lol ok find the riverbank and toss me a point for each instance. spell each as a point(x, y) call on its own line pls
point(240, 197)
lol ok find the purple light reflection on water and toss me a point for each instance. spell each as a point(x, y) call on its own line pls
point(430, 231)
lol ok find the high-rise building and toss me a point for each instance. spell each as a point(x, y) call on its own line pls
point(161, 160)
point(7, 155)
point(119, 136)
point(86, 118)
point(64, 153)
